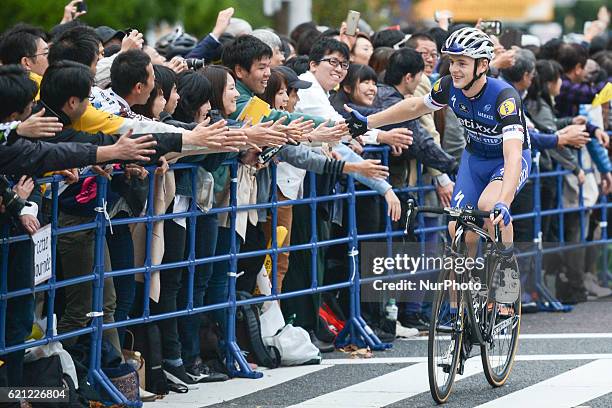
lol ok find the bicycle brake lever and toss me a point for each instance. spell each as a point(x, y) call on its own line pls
point(411, 207)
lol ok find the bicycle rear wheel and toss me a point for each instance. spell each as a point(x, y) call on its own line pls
point(445, 336)
point(498, 352)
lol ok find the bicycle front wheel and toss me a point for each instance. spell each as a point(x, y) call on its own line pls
point(445, 336)
point(498, 351)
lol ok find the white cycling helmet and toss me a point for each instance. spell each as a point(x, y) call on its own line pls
point(469, 41)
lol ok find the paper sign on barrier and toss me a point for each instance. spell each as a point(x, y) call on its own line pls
point(42, 254)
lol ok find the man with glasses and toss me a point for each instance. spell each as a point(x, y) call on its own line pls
point(25, 45)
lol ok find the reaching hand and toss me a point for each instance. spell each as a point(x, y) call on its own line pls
point(324, 133)
point(573, 135)
point(38, 125)
point(266, 134)
point(398, 137)
point(128, 149)
point(370, 168)
point(357, 124)
point(217, 136)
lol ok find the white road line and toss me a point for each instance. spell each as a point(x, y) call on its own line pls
point(569, 389)
point(214, 393)
point(542, 336)
point(405, 360)
point(384, 390)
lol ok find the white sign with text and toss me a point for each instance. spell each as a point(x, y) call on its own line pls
point(42, 254)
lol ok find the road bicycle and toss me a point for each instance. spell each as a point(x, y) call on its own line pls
point(466, 310)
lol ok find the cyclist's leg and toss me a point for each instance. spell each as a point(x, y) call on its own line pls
point(505, 292)
point(467, 187)
point(491, 193)
point(472, 178)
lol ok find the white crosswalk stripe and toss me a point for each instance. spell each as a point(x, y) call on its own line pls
point(588, 381)
point(566, 390)
point(384, 390)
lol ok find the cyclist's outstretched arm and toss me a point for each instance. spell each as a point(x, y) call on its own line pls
point(408, 109)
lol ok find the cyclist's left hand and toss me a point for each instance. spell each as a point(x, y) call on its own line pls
point(504, 214)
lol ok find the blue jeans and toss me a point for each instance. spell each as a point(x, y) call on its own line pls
point(121, 251)
point(217, 290)
point(205, 246)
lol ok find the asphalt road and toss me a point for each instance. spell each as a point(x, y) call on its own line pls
point(563, 360)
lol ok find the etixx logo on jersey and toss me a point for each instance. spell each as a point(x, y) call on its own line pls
point(507, 108)
point(436, 87)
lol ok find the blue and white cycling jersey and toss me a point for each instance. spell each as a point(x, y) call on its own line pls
point(494, 115)
point(489, 118)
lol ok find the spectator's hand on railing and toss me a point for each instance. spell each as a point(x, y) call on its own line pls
point(24, 187)
point(106, 171)
point(71, 176)
point(579, 120)
point(223, 21)
point(573, 135)
point(394, 207)
point(368, 168)
point(38, 125)
point(445, 193)
point(603, 137)
point(356, 145)
point(71, 13)
point(29, 223)
point(581, 177)
point(134, 170)
point(324, 133)
point(398, 137)
point(132, 41)
point(162, 166)
point(606, 183)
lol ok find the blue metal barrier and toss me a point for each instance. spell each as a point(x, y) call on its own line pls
point(356, 330)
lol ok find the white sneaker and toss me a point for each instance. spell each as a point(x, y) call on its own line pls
point(592, 286)
point(406, 332)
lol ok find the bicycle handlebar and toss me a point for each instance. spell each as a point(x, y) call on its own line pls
point(413, 209)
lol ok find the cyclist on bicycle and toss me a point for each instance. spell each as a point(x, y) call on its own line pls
point(497, 159)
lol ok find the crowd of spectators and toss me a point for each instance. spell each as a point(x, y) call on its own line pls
point(83, 101)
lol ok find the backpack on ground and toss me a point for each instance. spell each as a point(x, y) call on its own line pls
point(248, 334)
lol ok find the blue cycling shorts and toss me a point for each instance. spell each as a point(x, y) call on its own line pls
point(476, 172)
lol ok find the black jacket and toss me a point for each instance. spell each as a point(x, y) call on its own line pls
point(20, 156)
